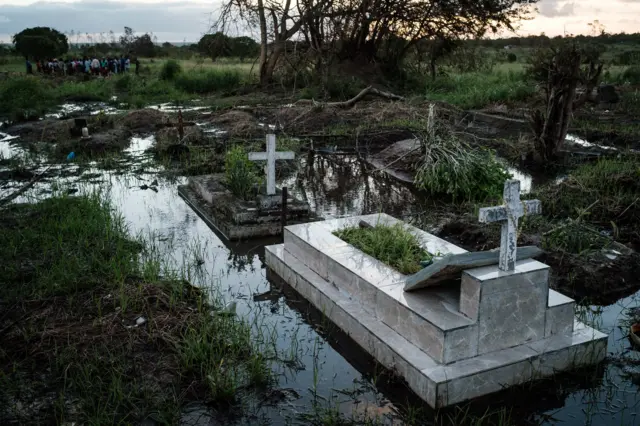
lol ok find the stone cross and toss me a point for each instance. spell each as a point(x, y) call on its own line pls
point(271, 156)
point(508, 214)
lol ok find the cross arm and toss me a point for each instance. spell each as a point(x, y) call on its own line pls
point(498, 214)
point(285, 155)
point(257, 156)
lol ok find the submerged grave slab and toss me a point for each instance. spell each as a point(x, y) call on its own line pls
point(239, 219)
point(462, 339)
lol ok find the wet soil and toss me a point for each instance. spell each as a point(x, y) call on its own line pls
point(591, 278)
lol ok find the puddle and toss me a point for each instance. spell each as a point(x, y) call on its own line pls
point(139, 144)
point(526, 180)
point(171, 107)
point(76, 109)
point(324, 364)
point(575, 140)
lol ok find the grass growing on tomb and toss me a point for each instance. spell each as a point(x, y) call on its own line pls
point(450, 166)
point(74, 285)
point(240, 173)
point(393, 245)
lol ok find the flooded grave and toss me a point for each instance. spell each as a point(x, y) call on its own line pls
point(261, 215)
point(493, 327)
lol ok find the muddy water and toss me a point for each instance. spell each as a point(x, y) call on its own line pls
point(319, 366)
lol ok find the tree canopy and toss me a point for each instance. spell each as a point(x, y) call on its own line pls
point(220, 45)
point(380, 31)
point(40, 42)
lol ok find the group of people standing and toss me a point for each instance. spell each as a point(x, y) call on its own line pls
point(86, 65)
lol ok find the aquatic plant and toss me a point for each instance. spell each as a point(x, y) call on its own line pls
point(240, 173)
point(392, 244)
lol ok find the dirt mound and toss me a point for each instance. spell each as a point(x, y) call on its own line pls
point(54, 131)
point(168, 138)
point(105, 141)
point(237, 124)
point(144, 120)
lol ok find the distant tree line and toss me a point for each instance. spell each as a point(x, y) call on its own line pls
point(220, 45)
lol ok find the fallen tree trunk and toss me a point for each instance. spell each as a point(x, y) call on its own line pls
point(370, 90)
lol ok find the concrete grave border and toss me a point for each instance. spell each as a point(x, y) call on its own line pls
point(438, 362)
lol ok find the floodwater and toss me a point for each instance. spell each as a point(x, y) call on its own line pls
point(322, 368)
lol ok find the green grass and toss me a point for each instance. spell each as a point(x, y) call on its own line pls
point(603, 193)
point(26, 97)
point(480, 89)
point(74, 285)
point(240, 173)
point(451, 167)
point(393, 245)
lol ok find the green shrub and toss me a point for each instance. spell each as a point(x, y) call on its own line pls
point(631, 75)
point(511, 57)
point(451, 167)
point(123, 82)
point(170, 70)
point(25, 98)
point(209, 81)
point(628, 57)
point(393, 245)
point(240, 173)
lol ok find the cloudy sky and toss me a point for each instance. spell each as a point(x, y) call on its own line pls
point(176, 21)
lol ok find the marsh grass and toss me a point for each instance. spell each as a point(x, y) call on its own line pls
point(393, 245)
point(601, 192)
point(96, 328)
point(449, 166)
point(480, 89)
point(208, 81)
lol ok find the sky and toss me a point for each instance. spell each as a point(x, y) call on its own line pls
point(188, 20)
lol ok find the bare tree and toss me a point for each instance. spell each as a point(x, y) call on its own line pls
point(564, 69)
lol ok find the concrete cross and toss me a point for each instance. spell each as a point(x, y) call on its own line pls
point(271, 156)
point(508, 214)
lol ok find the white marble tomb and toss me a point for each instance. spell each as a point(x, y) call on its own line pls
point(490, 330)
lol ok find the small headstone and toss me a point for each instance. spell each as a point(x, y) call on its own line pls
point(271, 155)
point(508, 214)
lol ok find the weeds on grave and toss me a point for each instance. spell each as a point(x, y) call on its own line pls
point(93, 334)
point(393, 245)
point(240, 173)
point(449, 166)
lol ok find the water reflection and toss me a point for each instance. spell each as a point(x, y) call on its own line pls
point(337, 186)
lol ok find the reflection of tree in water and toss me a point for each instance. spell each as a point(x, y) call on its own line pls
point(344, 182)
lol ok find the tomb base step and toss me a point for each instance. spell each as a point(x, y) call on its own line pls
point(438, 384)
point(253, 225)
point(430, 318)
